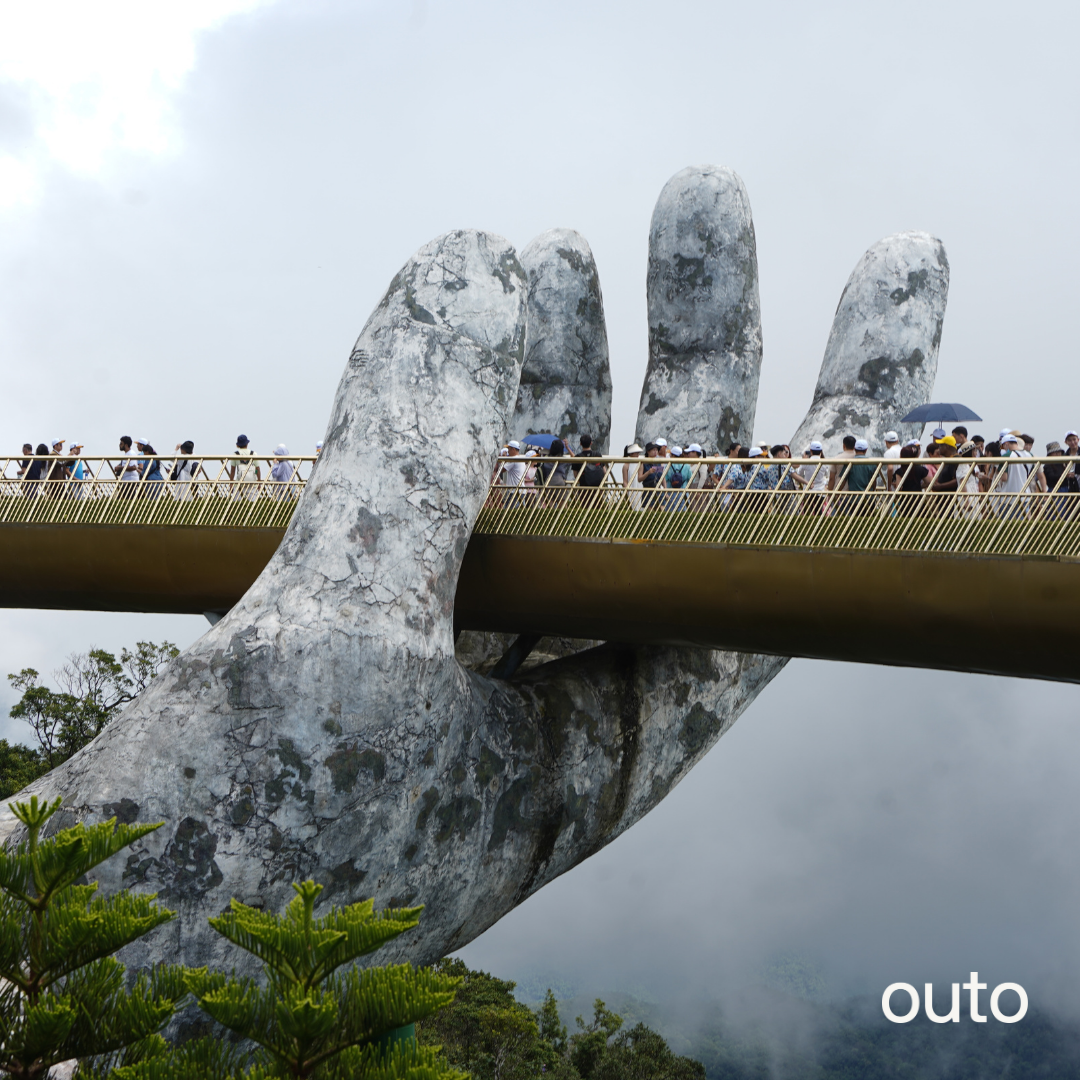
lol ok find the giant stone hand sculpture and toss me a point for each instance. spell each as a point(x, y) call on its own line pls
point(325, 728)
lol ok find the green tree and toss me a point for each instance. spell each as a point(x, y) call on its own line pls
point(19, 765)
point(63, 994)
point(311, 1018)
point(487, 1031)
point(589, 1044)
point(92, 687)
point(602, 1050)
point(643, 1054)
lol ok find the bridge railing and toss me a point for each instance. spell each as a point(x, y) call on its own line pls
point(231, 492)
point(1004, 506)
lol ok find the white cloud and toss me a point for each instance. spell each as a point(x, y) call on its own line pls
point(96, 78)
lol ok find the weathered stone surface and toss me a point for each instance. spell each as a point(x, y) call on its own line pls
point(704, 314)
point(566, 381)
point(882, 354)
point(324, 727)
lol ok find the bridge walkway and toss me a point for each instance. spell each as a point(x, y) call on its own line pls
point(984, 580)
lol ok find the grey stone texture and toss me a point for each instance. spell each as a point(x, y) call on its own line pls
point(701, 384)
point(881, 358)
point(566, 381)
point(324, 727)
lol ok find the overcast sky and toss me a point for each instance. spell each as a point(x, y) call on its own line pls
point(200, 204)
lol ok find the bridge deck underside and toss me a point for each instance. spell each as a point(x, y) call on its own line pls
point(1000, 614)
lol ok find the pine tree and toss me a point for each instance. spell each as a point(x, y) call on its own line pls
point(63, 994)
point(311, 1019)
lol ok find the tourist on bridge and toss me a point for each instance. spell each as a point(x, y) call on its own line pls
point(555, 474)
point(283, 473)
point(76, 470)
point(631, 481)
point(914, 477)
point(32, 476)
point(150, 470)
point(967, 481)
point(838, 473)
point(815, 477)
point(512, 473)
point(650, 473)
point(57, 471)
point(860, 475)
point(676, 480)
point(28, 452)
point(1072, 444)
point(1013, 479)
point(185, 472)
point(246, 468)
point(1056, 479)
point(127, 471)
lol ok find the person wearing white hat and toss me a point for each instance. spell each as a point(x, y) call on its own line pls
point(892, 450)
point(58, 469)
point(815, 476)
point(75, 468)
point(1014, 475)
point(1072, 444)
point(860, 474)
point(698, 473)
point(661, 447)
point(513, 471)
point(631, 478)
point(676, 477)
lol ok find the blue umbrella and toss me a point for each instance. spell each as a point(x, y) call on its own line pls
point(940, 411)
point(543, 441)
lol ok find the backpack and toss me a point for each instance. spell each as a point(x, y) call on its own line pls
point(591, 476)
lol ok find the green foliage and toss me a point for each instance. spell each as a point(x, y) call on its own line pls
point(63, 994)
point(589, 1044)
point(485, 1030)
point(93, 686)
point(19, 765)
point(642, 1054)
point(495, 1037)
point(311, 1018)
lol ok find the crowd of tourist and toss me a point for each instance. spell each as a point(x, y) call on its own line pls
point(659, 475)
point(48, 468)
point(667, 476)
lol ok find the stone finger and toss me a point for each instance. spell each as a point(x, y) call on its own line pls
point(881, 358)
point(566, 377)
point(701, 384)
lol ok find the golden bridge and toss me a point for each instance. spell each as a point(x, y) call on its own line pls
point(985, 581)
